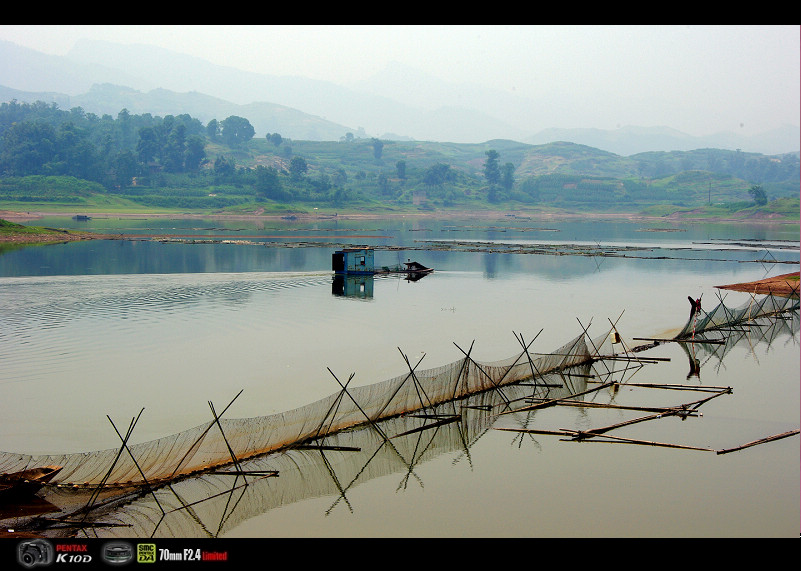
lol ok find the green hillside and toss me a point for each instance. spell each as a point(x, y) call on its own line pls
point(50, 158)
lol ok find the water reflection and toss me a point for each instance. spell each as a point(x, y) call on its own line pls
point(211, 505)
point(333, 467)
point(712, 346)
point(357, 287)
point(363, 286)
point(155, 332)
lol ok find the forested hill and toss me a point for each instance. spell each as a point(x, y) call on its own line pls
point(49, 154)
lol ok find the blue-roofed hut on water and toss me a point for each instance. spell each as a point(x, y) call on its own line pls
point(353, 261)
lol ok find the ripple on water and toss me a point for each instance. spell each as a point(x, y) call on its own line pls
point(55, 322)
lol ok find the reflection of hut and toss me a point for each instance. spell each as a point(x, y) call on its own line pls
point(353, 261)
point(356, 286)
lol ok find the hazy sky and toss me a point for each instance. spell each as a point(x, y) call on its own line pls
point(698, 79)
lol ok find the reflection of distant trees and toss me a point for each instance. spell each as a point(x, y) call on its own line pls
point(490, 265)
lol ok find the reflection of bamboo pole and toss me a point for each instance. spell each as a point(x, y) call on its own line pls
point(760, 441)
point(533, 431)
point(432, 425)
point(554, 402)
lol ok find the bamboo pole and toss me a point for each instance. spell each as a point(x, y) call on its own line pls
point(760, 441)
point(644, 443)
point(662, 410)
point(679, 340)
point(703, 388)
point(582, 434)
point(496, 385)
point(630, 358)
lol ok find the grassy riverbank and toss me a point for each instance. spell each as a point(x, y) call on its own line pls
point(23, 234)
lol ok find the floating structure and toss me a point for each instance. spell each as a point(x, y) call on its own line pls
point(411, 267)
point(353, 261)
point(361, 261)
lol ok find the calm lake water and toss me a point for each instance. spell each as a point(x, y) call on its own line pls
point(98, 328)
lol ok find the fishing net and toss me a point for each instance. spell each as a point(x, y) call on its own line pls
point(713, 345)
point(723, 316)
point(211, 504)
point(224, 441)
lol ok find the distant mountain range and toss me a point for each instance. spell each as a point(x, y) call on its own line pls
point(398, 104)
point(265, 117)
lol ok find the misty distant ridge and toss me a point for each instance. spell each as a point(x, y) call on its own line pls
point(630, 140)
point(398, 103)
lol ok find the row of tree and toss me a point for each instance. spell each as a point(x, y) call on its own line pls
point(155, 154)
point(41, 139)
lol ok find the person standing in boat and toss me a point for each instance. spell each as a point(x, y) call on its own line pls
point(695, 306)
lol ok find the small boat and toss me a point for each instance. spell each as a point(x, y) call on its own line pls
point(409, 268)
point(15, 485)
point(417, 268)
point(81, 217)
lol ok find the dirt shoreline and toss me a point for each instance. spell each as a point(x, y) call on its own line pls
point(20, 217)
point(784, 285)
point(55, 237)
point(30, 217)
point(23, 217)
